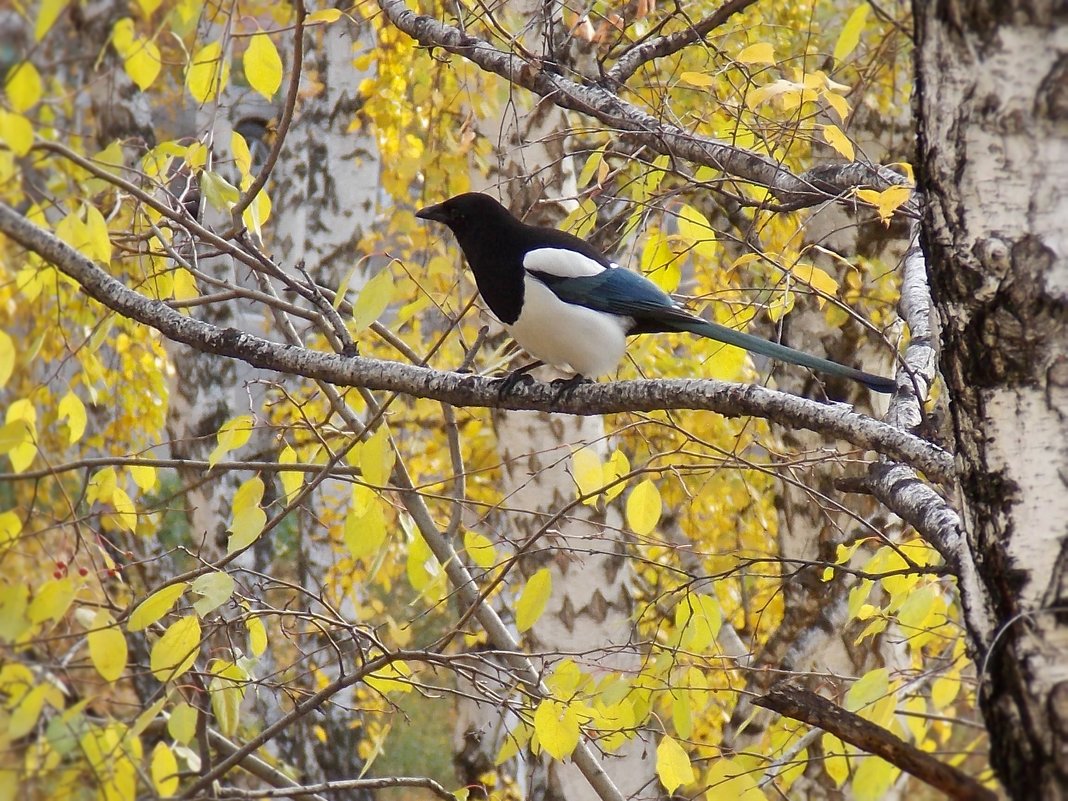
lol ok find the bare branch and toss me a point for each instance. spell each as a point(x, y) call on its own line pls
point(815, 710)
point(732, 400)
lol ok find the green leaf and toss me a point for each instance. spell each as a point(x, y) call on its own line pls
point(533, 600)
point(155, 606)
point(557, 727)
point(849, 38)
point(673, 765)
point(176, 651)
point(182, 724)
point(215, 588)
point(263, 65)
point(643, 508)
point(872, 686)
point(219, 192)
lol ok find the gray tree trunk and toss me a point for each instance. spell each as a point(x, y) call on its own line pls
point(992, 102)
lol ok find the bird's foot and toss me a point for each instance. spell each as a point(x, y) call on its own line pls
point(565, 386)
point(515, 378)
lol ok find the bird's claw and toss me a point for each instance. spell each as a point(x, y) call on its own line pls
point(565, 386)
point(513, 380)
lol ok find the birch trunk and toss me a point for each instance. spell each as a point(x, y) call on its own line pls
point(992, 102)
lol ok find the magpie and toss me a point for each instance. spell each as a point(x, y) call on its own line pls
point(569, 306)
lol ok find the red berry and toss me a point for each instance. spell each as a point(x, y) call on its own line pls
point(83, 571)
point(57, 574)
point(61, 564)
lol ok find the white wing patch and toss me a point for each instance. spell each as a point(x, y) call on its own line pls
point(561, 262)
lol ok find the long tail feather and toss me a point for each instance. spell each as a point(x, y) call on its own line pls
point(774, 350)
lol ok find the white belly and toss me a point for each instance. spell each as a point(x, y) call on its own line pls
point(572, 337)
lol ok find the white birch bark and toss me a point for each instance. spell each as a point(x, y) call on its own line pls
point(993, 106)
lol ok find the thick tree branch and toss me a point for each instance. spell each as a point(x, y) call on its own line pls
point(612, 110)
point(815, 710)
point(731, 400)
point(633, 59)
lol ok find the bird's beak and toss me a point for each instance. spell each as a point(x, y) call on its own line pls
point(436, 213)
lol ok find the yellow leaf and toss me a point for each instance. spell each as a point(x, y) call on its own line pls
point(258, 211)
point(144, 476)
point(176, 651)
point(99, 241)
point(245, 528)
point(643, 508)
point(480, 549)
point(873, 779)
point(107, 647)
point(565, 680)
point(817, 279)
point(185, 285)
point(557, 727)
point(292, 480)
point(52, 600)
point(731, 778)
point(698, 618)
point(673, 765)
point(46, 17)
point(588, 473)
point(944, 690)
point(617, 467)
point(835, 762)
point(696, 231)
point(700, 79)
point(364, 533)
point(17, 132)
point(324, 15)
point(394, 677)
point(233, 434)
point(760, 53)
point(164, 770)
point(10, 528)
point(263, 65)
point(377, 458)
point(182, 724)
point(227, 690)
point(659, 262)
point(142, 63)
point(155, 606)
point(257, 636)
point(838, 103)
point(72, 409)
point(850, 35)
point(591, 166)
point(125, 511)
point(373, 300)
point(887, 201)
point(208, 72)
point(23, 86)
point(7, 357)
point(839, 141)
point(533, 600)
point(148, 7)
point(25, 715)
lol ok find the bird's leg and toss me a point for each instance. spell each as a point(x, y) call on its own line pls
point(517, 377)
point(565, 386)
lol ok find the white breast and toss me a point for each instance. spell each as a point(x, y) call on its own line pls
point(587, 342)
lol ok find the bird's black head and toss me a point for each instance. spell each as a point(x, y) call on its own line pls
point(467, 211)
